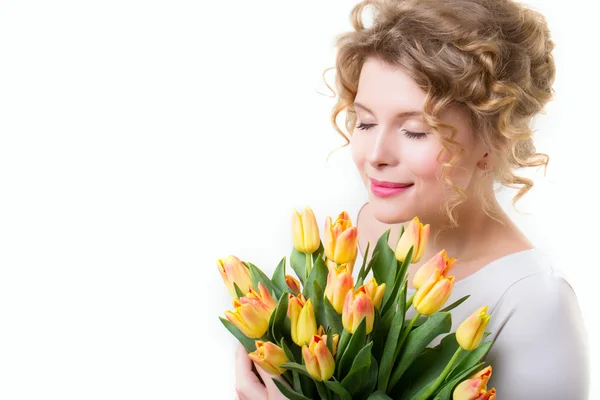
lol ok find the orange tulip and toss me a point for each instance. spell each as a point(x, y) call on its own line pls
point(292, 283)
point(470, 332)
point(440, 261)
point(232, 271)
point(475, 388)
point(302, 319)
point(432, 295)
point(375, 292)
point(305, 231)
point(341, 240)
point(252, 312)
point(339, 282)
point(415, 235)
point(356, 306)
point(269, 357)
point(318, 359)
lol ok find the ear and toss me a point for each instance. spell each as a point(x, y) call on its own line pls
point(485, 162)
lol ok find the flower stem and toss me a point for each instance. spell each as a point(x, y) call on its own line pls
point(442, 376)
point(409, 302)
point(405, 333)
point(308, 265)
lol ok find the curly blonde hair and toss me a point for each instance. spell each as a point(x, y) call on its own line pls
point(493, 58)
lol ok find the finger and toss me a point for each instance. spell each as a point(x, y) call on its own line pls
point(247, 384)
point(268, 380)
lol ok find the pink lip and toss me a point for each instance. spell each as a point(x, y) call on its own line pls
point(387, 189)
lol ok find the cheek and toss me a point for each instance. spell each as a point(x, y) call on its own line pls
point(423, 163)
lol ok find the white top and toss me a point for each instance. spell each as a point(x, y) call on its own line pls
point(541, 348)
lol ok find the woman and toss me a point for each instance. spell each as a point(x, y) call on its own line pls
point(439, 96)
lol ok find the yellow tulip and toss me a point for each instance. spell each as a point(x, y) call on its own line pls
point(252, 312)
point(470, 332)
point(415, 235)
point(375, 292)
point(432, 295)
point(440, 261)
point(339, 282)
point(475, 388)
point(302, 319)
point(305, 231)
point(318, 359)
point(269, 357)
point(341, 240)
point(356, 306)
point(292, 283)
point(232, 270)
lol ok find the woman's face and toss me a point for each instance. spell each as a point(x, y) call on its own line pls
point(401, 150)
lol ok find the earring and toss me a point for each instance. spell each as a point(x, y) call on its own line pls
point(485, 170)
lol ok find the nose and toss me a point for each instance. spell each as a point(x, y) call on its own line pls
point(383, 149)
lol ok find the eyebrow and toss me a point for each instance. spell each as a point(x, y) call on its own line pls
point(402, 114)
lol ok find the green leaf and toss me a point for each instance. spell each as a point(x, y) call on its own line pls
point(426, 367)
point(381, 330)
point(379, 396)
point(259, 276)
point(334, 320)
point(455, 304)
point(329, 341)
point(298, 263)
point(417, 340)
point(387, 358)
point(385, 255)
point(471, 358)
point(368, 380)
point(293, 366)
point(362, 362)
point(248, 343)
point(238, 291)
point(337, 388)
point(322, 389)
point(318, 305)
point(278, 278)
point(342, 345)
point(357, 341)
point(317, 274)
point(362, 273)
point(277, 328)
point(389, 297)
point(287, 392)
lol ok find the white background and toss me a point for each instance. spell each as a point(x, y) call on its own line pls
point(142, 140)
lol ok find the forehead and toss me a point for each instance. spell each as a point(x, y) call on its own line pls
point(386, 88)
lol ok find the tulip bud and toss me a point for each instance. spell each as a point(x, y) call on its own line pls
point(269, 357)
point(341, 240)
point(232, 271)
point(415, 235)
point(375, 292)
point(252, 312)
point(470, 332)
point(305, 231)
point(440, 261)
point(475, 388)
point(292, 283)
point(302, 319)
point(433, 294)
point(356, 306)
point(339, 282)
point(318, 359)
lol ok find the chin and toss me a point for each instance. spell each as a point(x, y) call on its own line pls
point(389, 213)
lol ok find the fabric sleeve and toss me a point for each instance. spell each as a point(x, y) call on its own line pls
point(541, 350)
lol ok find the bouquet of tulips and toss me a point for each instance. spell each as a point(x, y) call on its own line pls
point(334, 336)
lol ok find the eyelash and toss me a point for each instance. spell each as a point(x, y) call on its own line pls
point(411, 135)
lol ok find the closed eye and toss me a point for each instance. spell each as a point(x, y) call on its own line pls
point(409, 134)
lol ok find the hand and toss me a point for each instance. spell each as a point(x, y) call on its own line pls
point(247, 384)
